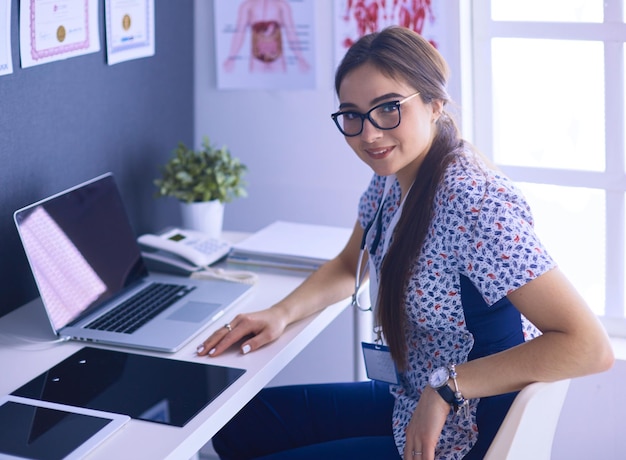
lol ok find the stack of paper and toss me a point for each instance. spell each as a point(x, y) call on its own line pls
point(291, 245)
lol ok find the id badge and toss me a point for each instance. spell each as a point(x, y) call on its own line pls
point(378, 363)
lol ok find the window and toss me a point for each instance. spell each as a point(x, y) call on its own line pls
point(549, 109)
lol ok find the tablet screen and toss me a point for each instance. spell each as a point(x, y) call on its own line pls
point(48, 431)
point(151, 388)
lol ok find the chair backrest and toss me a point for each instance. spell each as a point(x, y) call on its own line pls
point(528, 428)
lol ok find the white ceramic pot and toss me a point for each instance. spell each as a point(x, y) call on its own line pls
point(206, 217)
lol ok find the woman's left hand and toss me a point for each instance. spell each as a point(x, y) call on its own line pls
point(424, 429)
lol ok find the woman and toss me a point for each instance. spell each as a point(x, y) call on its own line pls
point(462, 287)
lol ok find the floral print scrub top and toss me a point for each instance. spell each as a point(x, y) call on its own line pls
point(480, 246)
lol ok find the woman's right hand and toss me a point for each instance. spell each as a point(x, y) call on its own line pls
point(259, 328)
point(331, 283)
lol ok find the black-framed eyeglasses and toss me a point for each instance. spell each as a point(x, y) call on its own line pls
point(383, 116)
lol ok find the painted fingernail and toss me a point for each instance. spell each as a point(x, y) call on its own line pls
point(200, 349)
point(246, 349)
point(212, 351)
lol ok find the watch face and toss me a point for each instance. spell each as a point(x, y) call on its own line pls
point(439, 377)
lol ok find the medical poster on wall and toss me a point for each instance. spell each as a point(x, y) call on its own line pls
point(59, 29)
point(355, 18)
point(129, 29)
point(6, 63)
point(265, 44)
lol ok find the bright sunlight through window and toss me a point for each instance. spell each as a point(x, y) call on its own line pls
point(549, 109)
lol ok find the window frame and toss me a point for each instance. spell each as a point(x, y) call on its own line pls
point(612, 32)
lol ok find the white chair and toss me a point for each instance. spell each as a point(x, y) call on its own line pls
point(528, 428)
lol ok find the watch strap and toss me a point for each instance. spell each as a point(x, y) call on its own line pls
point(448, 396)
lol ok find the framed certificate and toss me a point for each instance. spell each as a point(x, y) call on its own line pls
point(6, 64)
point(129, 29)
point(51, 30)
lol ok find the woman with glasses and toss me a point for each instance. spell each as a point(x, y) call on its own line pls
point(470, 303)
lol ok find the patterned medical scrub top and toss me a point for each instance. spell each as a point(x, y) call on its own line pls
point(480, 246)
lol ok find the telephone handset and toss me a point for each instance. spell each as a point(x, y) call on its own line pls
point(181, 251)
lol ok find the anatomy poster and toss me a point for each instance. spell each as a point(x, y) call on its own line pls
point(355, 18)
point(265, 44)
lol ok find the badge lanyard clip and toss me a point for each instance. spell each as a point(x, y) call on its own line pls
point(378, 332)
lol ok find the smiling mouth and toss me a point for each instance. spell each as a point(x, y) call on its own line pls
point(378, 154)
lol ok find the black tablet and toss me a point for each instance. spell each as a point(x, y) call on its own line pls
point(151, 388)
point(33, 429)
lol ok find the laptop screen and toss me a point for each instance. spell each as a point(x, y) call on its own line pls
point(81, 248)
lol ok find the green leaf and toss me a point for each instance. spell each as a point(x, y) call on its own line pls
point(202, 175)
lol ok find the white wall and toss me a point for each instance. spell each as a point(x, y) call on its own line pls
point(592, 420)
point(301, 168)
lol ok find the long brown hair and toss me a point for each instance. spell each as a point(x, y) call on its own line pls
point(404, 55)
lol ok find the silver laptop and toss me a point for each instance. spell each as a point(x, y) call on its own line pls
point(94, 283)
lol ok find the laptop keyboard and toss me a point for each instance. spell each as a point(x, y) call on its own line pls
point(141, 308)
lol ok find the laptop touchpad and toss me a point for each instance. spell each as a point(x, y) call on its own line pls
point(194, 312)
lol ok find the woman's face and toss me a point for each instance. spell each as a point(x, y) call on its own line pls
point(398, 151)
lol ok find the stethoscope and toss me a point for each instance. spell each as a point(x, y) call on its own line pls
point(360, 269)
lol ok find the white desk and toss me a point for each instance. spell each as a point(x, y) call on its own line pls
point(22, 361)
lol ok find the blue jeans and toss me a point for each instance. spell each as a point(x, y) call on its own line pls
point(302, 422)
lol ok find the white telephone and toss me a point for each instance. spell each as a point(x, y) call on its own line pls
point(181, 251)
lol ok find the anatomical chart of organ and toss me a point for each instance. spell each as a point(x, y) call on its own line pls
point(355, 18)
point(265, 44)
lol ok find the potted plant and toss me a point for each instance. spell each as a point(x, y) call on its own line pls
point(202, 180)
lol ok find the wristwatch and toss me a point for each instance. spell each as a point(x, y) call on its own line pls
point(438, 381)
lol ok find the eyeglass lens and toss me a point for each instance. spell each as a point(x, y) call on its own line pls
point(383, 116)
